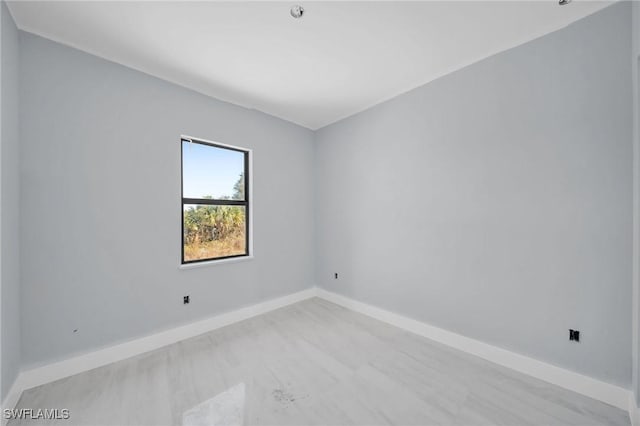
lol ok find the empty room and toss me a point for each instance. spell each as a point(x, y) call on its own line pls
point(319, 213)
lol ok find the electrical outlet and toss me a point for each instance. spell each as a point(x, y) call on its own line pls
point(335, 275)
point(574, 335)
point(185, 300)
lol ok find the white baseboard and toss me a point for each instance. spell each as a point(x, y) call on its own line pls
point(11, 399)
point(596, 389)
point(77, 364)
point(605, 392)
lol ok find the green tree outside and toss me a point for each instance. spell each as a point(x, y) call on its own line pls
point(215, 231)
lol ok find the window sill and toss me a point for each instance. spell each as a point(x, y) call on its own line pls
point(215, 262)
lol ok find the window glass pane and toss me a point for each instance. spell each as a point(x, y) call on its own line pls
point(213, 231)
point(212, 172)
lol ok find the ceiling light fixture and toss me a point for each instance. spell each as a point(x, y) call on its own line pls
point(297, 11)
point(564, 2)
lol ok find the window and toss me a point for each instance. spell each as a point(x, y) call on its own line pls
point(215, 201)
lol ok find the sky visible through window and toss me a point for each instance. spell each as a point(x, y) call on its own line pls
point(210, 171)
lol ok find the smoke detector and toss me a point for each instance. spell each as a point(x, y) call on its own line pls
point(297, 11)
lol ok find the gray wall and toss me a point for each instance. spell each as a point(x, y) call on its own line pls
point(9, 202)
point(635, 57)
point(496, 201)
point(101, 222)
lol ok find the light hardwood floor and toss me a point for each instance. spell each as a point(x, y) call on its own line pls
point(312, 363)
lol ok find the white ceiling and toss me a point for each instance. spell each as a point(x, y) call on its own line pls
point(340, 58)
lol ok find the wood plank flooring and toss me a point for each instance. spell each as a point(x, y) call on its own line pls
point(312, 363)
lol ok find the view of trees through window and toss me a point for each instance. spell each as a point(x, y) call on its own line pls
point(214, 202)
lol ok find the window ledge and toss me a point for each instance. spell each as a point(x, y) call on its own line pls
point(215, 262)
